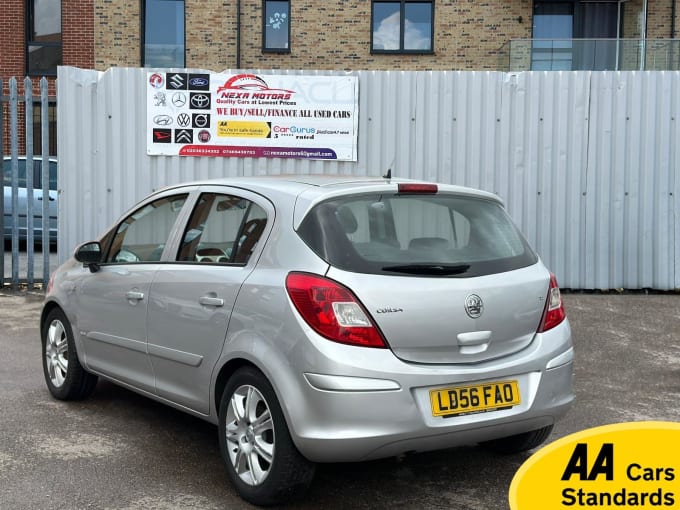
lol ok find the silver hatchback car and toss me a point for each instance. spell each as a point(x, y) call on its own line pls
point(318, 319)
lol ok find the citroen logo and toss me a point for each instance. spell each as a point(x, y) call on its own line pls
point(474, 306)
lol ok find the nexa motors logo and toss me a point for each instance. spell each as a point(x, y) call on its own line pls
point(249, 86)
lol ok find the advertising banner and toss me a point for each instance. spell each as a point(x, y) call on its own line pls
point(245, 115)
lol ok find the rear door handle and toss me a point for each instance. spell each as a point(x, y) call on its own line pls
point(135, 295)
point(211, 301)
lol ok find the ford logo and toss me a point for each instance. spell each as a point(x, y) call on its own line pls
point(198, 82)
point(474, 306)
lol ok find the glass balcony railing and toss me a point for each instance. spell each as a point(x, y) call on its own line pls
point(590, 55)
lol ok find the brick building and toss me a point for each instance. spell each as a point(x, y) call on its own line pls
point(38, 35)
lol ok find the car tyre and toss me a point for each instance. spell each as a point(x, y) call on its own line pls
point(519, 442)
point(65, 377)
point(262, 461)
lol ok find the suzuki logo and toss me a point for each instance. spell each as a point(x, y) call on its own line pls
point(474, 306)
point(176, 81)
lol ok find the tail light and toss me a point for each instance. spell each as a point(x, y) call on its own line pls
point(554, 309)
point(332, 310)
point(416, 187)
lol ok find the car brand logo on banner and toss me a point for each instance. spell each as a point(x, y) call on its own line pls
point(179, 99)
point(199, 82)
point(183, 120)
point(162, 120)
point(177, 81)
point(162, 135)
point(201, 120)
point(199, 101)
point(184, 136)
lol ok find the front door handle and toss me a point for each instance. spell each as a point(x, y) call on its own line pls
point(211, 301)
point(134, 295)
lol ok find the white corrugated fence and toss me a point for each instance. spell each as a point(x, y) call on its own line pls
point(585, 161)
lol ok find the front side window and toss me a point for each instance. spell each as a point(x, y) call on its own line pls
point(141, 237)
point(163, 33)
point(223, 229)
point(404, 26)
point(43, 37)
point(276, 26)
point(411, 235)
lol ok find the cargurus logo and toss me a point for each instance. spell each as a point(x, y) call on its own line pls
point(295, 130)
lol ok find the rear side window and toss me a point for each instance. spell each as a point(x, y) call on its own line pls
point(223, 229)
point(424, 235)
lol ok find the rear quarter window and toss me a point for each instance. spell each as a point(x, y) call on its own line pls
point(424, 235)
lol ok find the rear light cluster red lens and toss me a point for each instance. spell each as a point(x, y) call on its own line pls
point(554, 312)
point(332, 310)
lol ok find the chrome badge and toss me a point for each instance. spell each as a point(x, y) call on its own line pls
point(474, 306)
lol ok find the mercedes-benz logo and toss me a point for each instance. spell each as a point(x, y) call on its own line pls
point(474, 306)
point(200, 100)
point(183, 120)
point(179, 99)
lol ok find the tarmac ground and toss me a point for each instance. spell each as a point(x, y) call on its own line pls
point(118, 450)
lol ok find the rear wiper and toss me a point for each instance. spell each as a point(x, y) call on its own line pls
point(435, 269)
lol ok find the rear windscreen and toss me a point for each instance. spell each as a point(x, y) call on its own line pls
point(424, 235)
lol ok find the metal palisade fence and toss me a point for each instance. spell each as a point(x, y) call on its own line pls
point(22, 201)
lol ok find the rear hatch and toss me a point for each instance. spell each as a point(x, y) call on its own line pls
point(446, 277)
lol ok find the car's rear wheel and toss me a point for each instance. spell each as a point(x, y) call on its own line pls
point(65, 377)
point(519, 442)
point(263, 463)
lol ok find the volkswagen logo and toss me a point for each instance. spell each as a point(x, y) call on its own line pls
point(162, 120)
point(183, 120)
point(474, 306)
point(179, 99)
point(200, 101)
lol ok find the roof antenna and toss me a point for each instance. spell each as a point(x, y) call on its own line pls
point(388, 175)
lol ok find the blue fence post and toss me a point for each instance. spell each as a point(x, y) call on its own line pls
point(14, 152)
point(30, 206)
point(45, 147)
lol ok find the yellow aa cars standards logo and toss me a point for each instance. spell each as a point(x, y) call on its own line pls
point(627, 465)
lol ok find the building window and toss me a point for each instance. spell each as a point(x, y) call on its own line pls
point(276, 26)
point(43, 37)
point(402, 27)
point(163, 33)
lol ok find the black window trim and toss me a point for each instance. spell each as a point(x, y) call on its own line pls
point(30, 18)
point(402, 20)
point(142, 37)
point(266, 49)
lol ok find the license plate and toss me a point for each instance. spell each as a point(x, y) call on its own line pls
point(476, 398)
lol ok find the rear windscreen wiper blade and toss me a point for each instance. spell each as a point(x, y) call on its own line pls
point(434, 269)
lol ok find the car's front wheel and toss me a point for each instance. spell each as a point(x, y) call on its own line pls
point(262, 461)
point(65, 377)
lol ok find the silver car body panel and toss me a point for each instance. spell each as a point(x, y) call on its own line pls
point(341, 402)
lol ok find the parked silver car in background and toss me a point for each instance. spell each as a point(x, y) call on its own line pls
point(22, 197)
point(318, 319)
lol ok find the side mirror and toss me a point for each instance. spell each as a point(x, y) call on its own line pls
point(90, 254)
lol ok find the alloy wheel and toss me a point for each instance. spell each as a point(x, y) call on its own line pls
point(56, 353)
point(250, 435)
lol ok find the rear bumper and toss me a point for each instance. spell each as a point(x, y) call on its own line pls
point(372, 417)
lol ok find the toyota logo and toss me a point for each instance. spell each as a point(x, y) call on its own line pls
point(179, 99)
point(200, 100)
point(162, 120)
point(474, 306)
